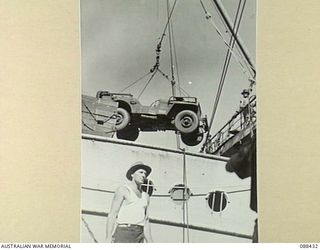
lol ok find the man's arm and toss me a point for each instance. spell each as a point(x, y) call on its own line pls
point(115, 207)
point(147, 228)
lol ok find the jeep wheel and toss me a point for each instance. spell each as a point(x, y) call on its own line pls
point(130, 133)
point(192, 139)
point(123, 118)
point(186, 121)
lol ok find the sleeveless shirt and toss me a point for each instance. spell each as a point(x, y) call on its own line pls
point(133, 209)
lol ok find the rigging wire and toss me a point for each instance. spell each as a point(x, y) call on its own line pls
point(226, 65)
point(232, 38)
point(236, 56)
point(225, 18)
point(247, 64)
point(224, 71)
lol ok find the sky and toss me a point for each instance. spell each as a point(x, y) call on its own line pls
point(118, 42)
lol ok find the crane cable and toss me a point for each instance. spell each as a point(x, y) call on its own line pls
point(165, 28)
point(176, 62)
point(155, 68)
point(173, 56)
point(224, 71)
point(170, 49)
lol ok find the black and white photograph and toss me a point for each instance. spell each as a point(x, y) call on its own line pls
point(168, 112)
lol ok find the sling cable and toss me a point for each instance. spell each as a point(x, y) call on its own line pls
point(225, 66)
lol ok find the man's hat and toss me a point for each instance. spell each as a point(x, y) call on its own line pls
point(135, 167)
point(245, 91)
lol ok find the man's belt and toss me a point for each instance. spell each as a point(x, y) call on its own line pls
point(129, 225)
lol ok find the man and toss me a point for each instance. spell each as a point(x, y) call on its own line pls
point(128, 220)
point(244, 107)
point(244, 164)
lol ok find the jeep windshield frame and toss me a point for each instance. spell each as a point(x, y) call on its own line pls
point(100, 94)
point(187, 99)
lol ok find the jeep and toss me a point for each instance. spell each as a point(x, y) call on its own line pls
point(181, 114)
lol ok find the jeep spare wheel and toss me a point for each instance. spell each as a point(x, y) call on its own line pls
point(186, 121)
point(123, 118)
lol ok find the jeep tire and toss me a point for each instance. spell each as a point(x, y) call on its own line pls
point(123, 118)
point(186, 121)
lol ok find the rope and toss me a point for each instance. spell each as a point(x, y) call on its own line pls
point(90, 112)
point(87, 126)
point(114, 116)
point(89, 230)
